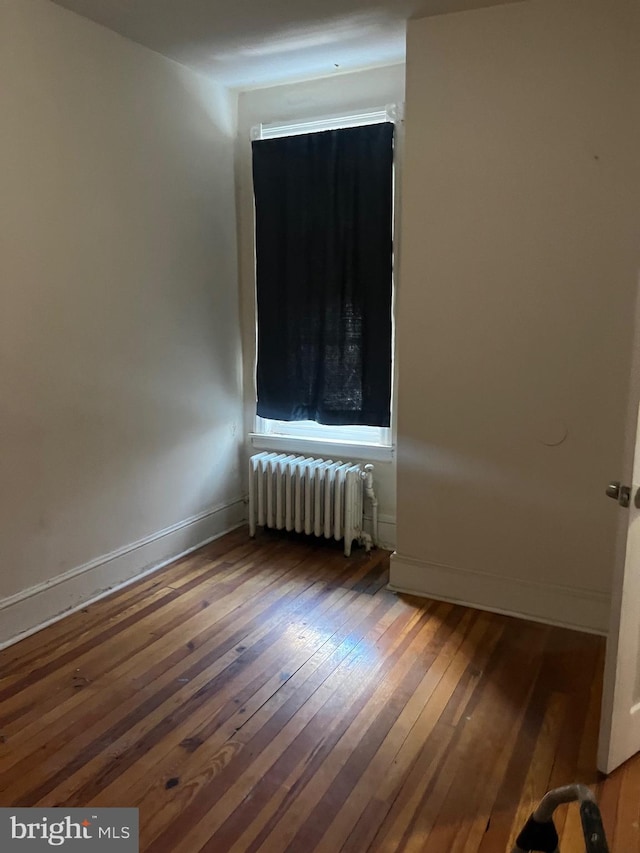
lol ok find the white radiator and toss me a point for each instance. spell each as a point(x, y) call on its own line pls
point(313, 496)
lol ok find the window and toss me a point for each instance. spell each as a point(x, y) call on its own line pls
point(348, 433)
point(324, 254)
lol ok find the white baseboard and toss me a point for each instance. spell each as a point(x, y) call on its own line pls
point(32, 609)
point(580, 609)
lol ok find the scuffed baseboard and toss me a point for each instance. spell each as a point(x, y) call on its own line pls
point(32, 609)
point(570, 607)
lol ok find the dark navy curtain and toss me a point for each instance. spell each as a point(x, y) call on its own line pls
point(324, 253)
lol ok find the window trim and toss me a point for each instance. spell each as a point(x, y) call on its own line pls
point(376, 115)
point(326, 447)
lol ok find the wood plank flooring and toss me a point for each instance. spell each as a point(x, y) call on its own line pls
point(273, 696)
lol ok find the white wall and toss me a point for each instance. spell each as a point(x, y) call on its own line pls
point(520, 253)
point(120, 377)
point(342, 93)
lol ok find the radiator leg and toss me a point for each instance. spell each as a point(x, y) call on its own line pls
point(367, 541)
point(347, 547)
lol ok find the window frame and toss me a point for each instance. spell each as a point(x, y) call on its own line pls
point(364, 442)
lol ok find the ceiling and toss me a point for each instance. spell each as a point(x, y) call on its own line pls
point(249, 43)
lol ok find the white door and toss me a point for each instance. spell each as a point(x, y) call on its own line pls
point(620, 722)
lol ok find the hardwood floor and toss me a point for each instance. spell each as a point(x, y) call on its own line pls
point(272, 695)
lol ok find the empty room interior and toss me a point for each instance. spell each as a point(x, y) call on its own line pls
point(319, 471)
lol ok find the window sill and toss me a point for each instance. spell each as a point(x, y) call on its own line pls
point(325, 447)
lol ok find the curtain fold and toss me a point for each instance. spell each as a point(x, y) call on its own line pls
point(324, 254)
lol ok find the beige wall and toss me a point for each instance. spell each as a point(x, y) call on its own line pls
point(120, 378)
point(520, 254)
point(327, 96)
